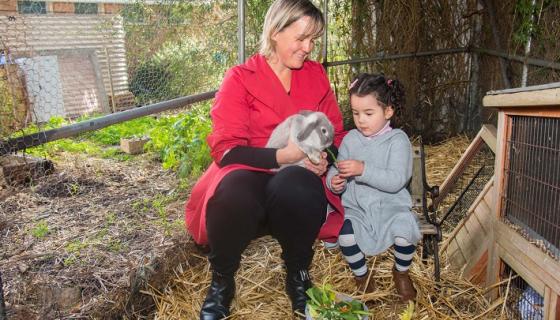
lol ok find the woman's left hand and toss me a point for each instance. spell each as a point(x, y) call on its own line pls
point(320, 168)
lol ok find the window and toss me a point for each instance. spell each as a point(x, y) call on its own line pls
point(85, 8)
point(32, 7)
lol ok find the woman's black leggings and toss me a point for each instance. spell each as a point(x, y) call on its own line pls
point(290, 205)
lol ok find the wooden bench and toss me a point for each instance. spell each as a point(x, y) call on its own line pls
point(420, 191)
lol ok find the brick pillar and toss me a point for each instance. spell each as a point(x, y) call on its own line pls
point(62, 7)
point(8, 7)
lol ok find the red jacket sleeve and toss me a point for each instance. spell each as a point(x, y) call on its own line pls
point(230, 116)
point(329, 107)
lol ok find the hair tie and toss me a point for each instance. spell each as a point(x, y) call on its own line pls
point(353, 84)
point(390, 83)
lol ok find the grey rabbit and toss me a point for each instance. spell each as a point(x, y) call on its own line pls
point(311, 131)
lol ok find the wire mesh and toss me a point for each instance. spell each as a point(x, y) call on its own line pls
point(531, 199)
point(454, 207)
point(522, 301)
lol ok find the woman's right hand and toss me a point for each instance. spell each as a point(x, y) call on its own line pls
point(289, 154)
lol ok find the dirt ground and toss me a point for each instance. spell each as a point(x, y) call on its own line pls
point(84, 241)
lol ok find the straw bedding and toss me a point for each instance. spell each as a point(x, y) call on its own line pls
point(260, 281)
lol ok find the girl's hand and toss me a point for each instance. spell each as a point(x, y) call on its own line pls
point(338, 184)
point(320, 168)
point(289, 154)
point(350, 168)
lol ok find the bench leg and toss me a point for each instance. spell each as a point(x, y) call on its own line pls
point(436, 259)
point(430, 247)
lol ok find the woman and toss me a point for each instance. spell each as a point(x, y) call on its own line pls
point(239, 198)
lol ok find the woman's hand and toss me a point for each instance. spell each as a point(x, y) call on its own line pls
point(320, 168)
point(338, 184)
point(350, 168)
point(289, 154)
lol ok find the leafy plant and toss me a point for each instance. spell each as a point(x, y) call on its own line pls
point(181, 141)
point(325, 304)
point(333, 157)
point(40, 230)
point(408, 312)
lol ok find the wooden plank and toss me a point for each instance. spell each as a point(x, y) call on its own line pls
point(483, 215)
point(539, 98)
point(452, 247)
point(489, 134)
point(547, 301)
point(459, 168)
point(525, 89)
point(477, 274)
point(416, 184)
point(479, 251)
point(551, 112)
point(475, 231)
point(504, 132)
point(462, 243)
point(556, 313)
point(489, 197)
point(457, 258)
point(525, 269)
point(544, 267)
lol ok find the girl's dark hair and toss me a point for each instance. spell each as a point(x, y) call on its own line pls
point(389, 92)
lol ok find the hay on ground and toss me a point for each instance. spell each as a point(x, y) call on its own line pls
point(260, 281)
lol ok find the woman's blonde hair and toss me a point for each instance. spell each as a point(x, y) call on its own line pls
point(281, 14)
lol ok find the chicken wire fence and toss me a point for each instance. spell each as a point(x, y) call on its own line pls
point(454, 206)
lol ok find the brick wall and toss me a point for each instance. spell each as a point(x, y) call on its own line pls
point(112, 8)
point(62, 7)
point(8, 6)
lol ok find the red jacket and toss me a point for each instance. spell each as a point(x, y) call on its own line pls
point(250, 103)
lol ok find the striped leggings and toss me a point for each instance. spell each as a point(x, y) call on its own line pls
point(404, 251)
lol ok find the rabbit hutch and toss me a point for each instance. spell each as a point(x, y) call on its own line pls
point(509, 241)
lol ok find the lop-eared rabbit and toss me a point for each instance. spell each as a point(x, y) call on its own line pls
point(311, 131)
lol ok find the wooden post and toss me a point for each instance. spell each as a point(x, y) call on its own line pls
point(110, 80)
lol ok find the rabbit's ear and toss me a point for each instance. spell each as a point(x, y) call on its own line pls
point(307, 131)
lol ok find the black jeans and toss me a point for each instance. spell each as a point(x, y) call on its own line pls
point(290, 205)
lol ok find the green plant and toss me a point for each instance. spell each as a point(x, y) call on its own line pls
point(40, 230)
point(333, 157)
point(181, 141)
point(408, 312)
point(326, 304)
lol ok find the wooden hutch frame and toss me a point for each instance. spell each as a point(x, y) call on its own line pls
point(538, 269)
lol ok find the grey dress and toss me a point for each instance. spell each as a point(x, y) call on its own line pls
point(377, 202)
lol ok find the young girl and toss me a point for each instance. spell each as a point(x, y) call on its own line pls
point(373, 168)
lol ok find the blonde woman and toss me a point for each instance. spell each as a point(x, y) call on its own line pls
point(240, 197)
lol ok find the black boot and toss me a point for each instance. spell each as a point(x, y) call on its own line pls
point(297, 282)
point(217, 302)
